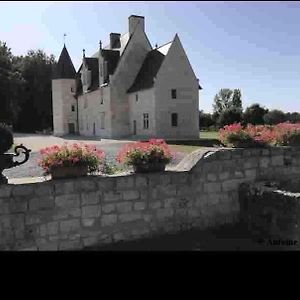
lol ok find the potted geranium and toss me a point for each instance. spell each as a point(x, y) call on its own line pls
point(149, 156)
point(71, 160)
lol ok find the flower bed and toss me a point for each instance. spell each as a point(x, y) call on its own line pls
point(283, 134)
point(83, 157)
point(148, 156)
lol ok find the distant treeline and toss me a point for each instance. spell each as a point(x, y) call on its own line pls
point(227, 109)
point(25, 89)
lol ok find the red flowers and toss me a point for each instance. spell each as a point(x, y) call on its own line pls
point(155, 150)
point(282, 134)
point(70, 155)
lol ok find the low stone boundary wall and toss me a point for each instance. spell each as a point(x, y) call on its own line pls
point(76, 213)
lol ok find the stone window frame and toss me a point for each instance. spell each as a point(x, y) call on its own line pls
point(174, 119)
point(145, 120)
point(174, 93)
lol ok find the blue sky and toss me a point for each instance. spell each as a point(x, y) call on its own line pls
point(254, 46)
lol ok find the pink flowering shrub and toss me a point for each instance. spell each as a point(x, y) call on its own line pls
point(234, 134)
point(283, 134)
point(71, 155)
point(155, 150)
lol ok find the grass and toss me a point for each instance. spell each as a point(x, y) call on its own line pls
point(209, 135)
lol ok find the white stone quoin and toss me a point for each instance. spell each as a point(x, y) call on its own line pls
point(128, 89)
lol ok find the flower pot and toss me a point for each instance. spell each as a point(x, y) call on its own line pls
point(150, 167)
point(68, 172)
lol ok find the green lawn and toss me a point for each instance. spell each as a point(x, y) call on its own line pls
point(209, 135)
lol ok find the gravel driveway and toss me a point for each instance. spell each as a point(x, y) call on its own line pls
point(31, 168)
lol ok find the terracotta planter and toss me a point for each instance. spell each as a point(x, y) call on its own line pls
point(146, 168)
point(68, 172)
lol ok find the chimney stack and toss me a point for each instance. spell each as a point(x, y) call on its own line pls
point(134, 21)
point(115, 40)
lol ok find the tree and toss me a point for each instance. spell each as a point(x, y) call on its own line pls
point(229, 116)
point(254, 114)
point(222, 100)
point(205, 120)
point(237, 98)
point(36, 69)
point(227, 107)
point(274, 117)
point(292, 117)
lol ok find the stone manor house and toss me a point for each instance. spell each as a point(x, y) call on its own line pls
point(127, 89)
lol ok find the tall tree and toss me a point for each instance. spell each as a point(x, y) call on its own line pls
point(254, 114)
point(36, 68)
point(237, 98)
point(222, 100)
point(274, 117)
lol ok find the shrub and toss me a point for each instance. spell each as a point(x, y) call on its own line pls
point(6, 139)
point(71, 155)
point(153, 151)
point(287, 134)
point(234, 135)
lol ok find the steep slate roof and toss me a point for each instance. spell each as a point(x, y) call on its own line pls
point(112, 58)
point(64, 68)
point(93, 65)
point(148, 71)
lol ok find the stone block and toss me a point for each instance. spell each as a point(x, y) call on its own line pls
point(91, 211)
point(108, 208)
point(87, 222)
point(106, 184)
point(108, 220)
point(232, 184)
point(90, 241)
point(124, 207)
point(251, 163)
point(52, 228)
point(18, 204)
point(224, 175)
point(125, 182)
point(131, 195)
point(112, 196)
point(277, 160)
point(164, 213)
point(42, 189)
point(211, 177)
point(128, 217)
point(169, 202)
point(67, 201)
point(48, 246)
point(69, 245)
point(139, 205)
point(264, 162)
point(90, 198)
point(155, 204)
point(251, 173)
point(87, 184)
point(22, 190)
point(69, 225)
point(43, 202)
point(5, 191)
point(32, 219)
point(212, 187)
point(169, 190)
point(64, 187)
point(5, 222)
point(4, 208)
point(141, 181)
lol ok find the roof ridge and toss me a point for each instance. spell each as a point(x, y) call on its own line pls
point(164, 45)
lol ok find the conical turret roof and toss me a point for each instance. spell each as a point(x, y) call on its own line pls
point(64, 68)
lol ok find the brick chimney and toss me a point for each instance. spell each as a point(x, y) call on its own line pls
point(134, 21)
point(115, 40)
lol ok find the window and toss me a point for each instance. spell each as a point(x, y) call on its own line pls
point(102, 120)
point(72, 89)
point(174, 94)
point(85, 103)
point(146, 121)
point(174, 119)
point(136, 97)
point(101, 101)
point(73, 107)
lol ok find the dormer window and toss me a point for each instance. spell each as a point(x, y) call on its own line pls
point(174, 93)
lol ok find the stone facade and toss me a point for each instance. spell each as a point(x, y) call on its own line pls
point(76, 213)
point(109, 110)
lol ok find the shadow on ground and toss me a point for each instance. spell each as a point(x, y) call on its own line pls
point(225, 238)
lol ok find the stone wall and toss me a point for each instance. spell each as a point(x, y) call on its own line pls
point(76, 213)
